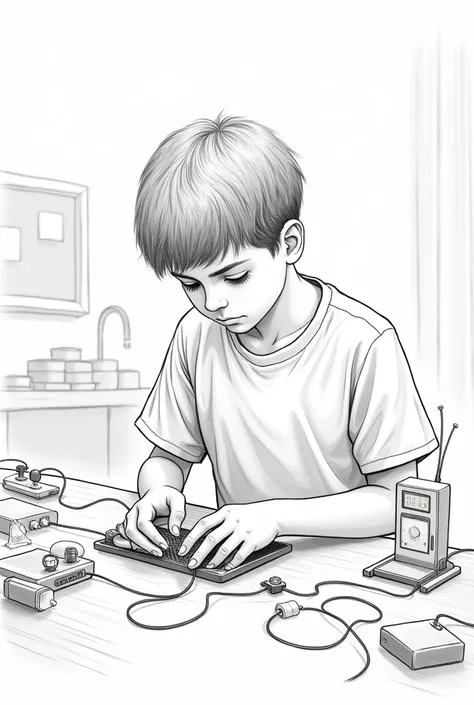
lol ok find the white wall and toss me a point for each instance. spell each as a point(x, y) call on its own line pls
point(89, 90)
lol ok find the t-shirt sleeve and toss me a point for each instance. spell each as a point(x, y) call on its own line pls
point(169, 418)
point(388, 425)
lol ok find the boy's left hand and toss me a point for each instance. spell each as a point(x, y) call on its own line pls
point(252, 525)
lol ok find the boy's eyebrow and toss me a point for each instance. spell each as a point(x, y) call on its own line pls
point(217, 272)
point(227, 267)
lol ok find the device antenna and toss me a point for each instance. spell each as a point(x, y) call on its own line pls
point(438, 469)
point(438, 474)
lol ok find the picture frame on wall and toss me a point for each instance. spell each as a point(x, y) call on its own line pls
point(43, 246)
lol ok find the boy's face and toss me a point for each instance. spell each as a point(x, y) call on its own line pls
point(240, 289)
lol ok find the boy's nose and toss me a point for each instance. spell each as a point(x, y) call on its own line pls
point(215, 305)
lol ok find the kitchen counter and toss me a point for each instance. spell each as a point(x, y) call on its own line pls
point(28, 399)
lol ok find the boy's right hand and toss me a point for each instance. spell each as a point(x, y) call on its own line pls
point(138, 525)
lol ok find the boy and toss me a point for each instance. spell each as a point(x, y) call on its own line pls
point(301, 396)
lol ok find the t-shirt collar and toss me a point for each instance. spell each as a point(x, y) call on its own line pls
point(299, 343)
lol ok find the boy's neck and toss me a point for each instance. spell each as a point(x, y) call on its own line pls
point(288, 317)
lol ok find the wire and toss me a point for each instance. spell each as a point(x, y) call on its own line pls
point(147, 594)
point(13, 460)
point(77, 528)
point(188, 621)
point(84, 506)
point(461, 550)
point(345, 582)
point(349, 629)
point(450, 616)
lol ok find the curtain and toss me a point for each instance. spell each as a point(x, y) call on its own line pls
point(443, 225)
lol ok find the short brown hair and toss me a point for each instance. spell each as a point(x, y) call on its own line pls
point(212, 185)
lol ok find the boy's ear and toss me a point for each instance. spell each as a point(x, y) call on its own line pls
point(292, 240)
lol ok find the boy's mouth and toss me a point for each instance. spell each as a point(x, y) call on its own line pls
point(229, 320)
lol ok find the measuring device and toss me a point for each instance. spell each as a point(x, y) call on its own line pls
point(421, 532)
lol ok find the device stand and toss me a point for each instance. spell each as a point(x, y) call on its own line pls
point(426, 579)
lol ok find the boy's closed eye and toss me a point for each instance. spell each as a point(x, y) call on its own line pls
point(235, 280)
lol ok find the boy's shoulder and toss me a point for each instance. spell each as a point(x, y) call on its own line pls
point(365, 321)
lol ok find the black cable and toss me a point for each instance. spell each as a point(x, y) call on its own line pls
point(13, 460)
point(349, 629)
point(461, 550)
point(76, 528)
point(84, 506)
point(188, 621)
point(346, 582)
point(450, 616)
point(147, 594)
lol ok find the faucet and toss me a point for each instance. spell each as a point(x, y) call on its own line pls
point(100, 329)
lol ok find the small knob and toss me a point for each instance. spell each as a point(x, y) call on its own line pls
point(35, 477)
point(44, 521)
point(275, 580)
point(70, 554)
point(414, 532)
point(110, 534)
point(34, 525)
point(50, 563)
point(21, 470)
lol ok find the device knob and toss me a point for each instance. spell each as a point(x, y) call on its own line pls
point(34, 525)
point(35, 477)
point(275, 580)
point(50, 562)
point(71, 554)
point(44, 521)
point(20, 473)
point(414, 532)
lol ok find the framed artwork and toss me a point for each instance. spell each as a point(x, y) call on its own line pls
point(43, 246)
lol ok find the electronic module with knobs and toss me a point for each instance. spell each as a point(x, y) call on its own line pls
point(30, 515)
point(32, 486)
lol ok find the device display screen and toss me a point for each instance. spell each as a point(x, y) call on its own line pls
point(419, 502)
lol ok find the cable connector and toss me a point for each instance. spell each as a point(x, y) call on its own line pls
point(274, 585)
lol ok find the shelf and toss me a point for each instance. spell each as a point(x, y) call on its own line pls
point(28, 399)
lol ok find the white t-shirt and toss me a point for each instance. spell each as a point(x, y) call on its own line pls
point(310, 419)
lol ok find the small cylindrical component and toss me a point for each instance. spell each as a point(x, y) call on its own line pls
point(34, 525)
point(20, 473)
point(44, 521)
point(287, 609)
point(70, 554)
point(110, 534)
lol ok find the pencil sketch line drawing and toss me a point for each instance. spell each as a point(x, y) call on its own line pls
point(313, 418)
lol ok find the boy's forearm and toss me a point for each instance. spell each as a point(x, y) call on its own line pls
point(363, 512)
point(158, 471)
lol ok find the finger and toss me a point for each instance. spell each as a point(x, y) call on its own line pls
point(146, 526)
point(225, 550)
point(140, 540)
point(121, 529)
point(213, 539)
point(202, 527)
point(121, 542)
point(244, 552)
point(176, 503)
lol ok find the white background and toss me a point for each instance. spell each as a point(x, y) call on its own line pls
point(89, 89)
